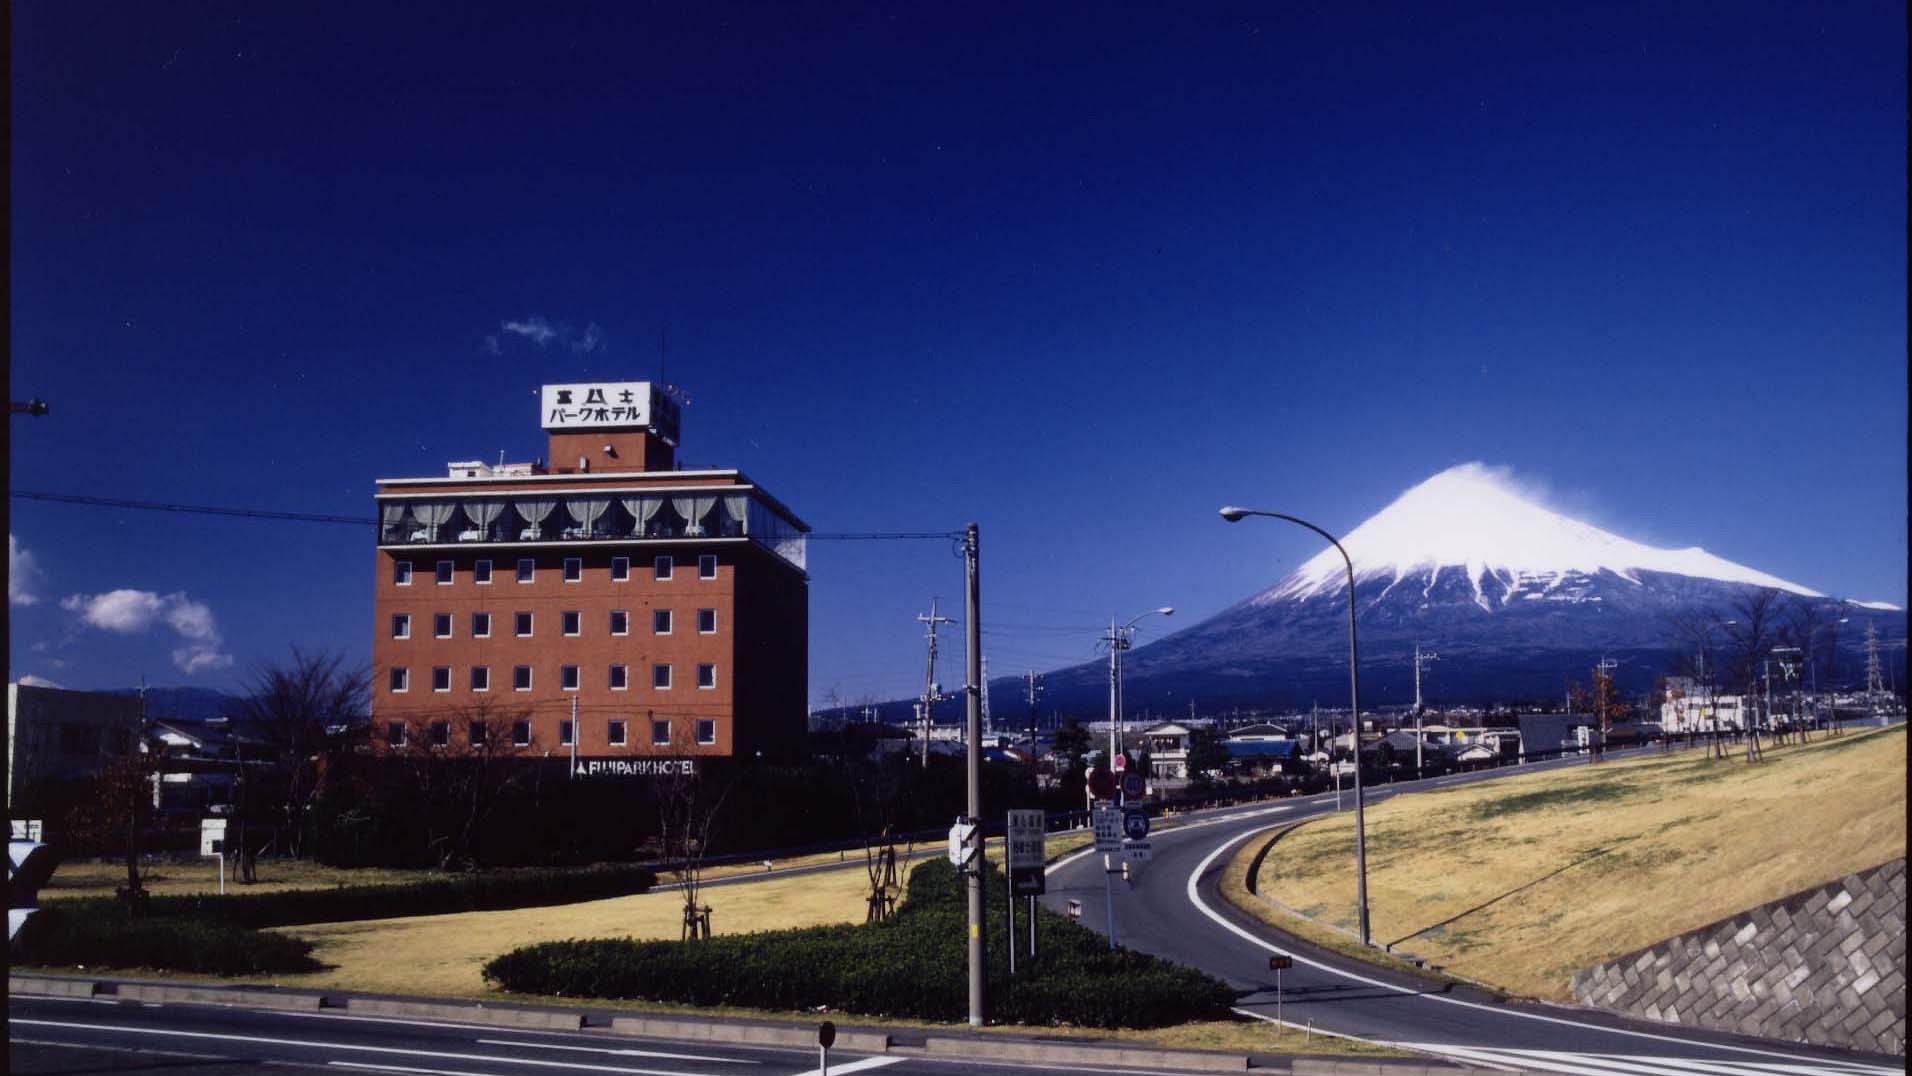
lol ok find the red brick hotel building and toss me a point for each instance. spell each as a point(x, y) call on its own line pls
point(668, 609)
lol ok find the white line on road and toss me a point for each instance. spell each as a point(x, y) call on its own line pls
point(402, 1068)
point(352, 1046)
point(609, 1050)
point(855, 1066)
point(1195, 898)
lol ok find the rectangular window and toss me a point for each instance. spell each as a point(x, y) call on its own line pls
point(660, 733)
point(706, 731)
point(481, 625)
point(522, 625)
point(706, 621)
point(441, 678)
point(481, 572)
point(521, 678)
point(480, 736)
point(401, 626)
point(573, 569)
point(401, 679)
point(620, 569)
point(660, 622)
point(444, 573)
point(441, 625)
point(706, 676)
point(615, 733)
point(707, 566)
point(401, 573)
point(661, 677)
point(441, 734)
point(663, 567)
point(481, 678)
point(564, 733)
point(620, 678)
point(620, 622)
point(568, 677)
point(527, 570)
point(395, 733)
point(573, 622)
point(521, 733)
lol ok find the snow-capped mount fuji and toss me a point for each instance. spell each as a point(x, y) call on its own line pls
point(1515, 597)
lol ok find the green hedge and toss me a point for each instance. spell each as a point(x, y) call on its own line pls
point(914, 966)
point(484, 892)
point(108, 938)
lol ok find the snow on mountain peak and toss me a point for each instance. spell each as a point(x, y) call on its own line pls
point(1473, 517)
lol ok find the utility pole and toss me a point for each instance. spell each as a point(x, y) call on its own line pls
point(1421, 658)
point(972, 630)
point(1032, 690)
point(1602, 678)
point(989, 725)
point(1115, 689)
point(1875, 679)
point(930, 694)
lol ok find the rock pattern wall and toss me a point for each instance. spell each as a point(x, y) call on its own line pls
point(1825, 966)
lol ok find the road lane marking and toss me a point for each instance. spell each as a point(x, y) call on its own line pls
point(355, 1047)
point(1591, 1064)
point(609, 1050)
point(855, 1066)
point(402, 1068)
point(1202, 906)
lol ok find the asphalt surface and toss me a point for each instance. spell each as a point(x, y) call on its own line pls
point(1170, 907)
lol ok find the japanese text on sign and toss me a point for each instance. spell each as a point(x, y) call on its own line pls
point(600, 406)
point(1025, 836)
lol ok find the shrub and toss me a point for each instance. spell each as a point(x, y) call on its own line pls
point(108, 938)
point(491, 891)
point(913, 966)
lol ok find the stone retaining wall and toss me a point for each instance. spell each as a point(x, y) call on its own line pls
point(1825, 966)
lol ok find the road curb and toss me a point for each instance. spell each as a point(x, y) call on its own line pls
point(797, 1035)
point(1060, 1053)
point(216, 995)
point(475, 1013)
point(33, 986)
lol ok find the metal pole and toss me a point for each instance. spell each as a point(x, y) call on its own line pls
point(1032, 927)
point(1007, 881)
point(972, 629)
point(1108, 892)
point(574, 737)
point(1360, 812)
point(1115, 677)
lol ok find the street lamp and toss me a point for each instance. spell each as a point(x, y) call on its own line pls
point(1118, 642)
point(1234, 514)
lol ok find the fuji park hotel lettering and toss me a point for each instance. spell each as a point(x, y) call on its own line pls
point(635, 767)
point(606, 405)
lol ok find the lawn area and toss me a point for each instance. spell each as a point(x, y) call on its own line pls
point(1614, 856)
point(181, 877)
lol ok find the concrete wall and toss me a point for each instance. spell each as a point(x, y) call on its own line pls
point(1825, 966)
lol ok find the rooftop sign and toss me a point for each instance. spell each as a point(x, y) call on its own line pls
point(610, 405)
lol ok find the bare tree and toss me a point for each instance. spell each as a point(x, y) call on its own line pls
point(1698, 659)
point(463, 761)
point(1750, 630)
point(687, 805)
point(309, 711)
point(120, 807)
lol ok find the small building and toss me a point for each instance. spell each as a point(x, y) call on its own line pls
point(1683, 713)
point(1167, 746)
point(56, 736)
point(1264, 756)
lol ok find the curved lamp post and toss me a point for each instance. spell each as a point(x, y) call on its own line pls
point(1234, 515)
point(1118, 642)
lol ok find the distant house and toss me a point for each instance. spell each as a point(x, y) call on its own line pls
point(1167, 746)
point(1264, 732)
point(1264, 756)
point(1689, 711)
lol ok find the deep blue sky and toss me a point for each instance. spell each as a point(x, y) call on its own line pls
point(1080, 276)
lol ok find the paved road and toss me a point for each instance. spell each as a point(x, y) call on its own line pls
point(1170, 907)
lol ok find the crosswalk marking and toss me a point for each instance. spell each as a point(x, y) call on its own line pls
point(1593, 1064)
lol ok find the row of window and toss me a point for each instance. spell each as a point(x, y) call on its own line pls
point(619, 678)
point(478, 734)
point(662, 570)
point(570, 622)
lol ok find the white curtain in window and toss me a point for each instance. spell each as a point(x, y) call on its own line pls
point(693, 509)
point(434, 515)
point(394, 513)
point(588, 510)
point(643, 510)
point(737, 507)
point(484, 513)
point(534, 512)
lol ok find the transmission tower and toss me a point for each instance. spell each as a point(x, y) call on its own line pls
point(1875, 677)
point(932, 692)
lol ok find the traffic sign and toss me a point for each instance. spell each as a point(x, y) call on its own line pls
point(1137, 851)
point(212, 836)
point(1028, 883)
point(1135, 824)
point(1026, 841)
point(1107, 822)
point(1101, 784)
point(1120, 764)
point(1134, 785)
point(1280, 963)
point(963, 845)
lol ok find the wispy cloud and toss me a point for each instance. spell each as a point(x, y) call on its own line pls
point(30, 680)
point(133, 612)
point(543, 332)
point(23, 574)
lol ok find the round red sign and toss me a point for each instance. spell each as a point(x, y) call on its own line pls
point(1101, 784)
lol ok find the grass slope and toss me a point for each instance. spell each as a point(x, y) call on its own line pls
point(1614, 856)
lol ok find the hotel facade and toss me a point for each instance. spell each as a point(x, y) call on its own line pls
point(601, 606)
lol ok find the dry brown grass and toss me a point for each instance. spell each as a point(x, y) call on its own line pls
point(99, 878)
point(1643, 849)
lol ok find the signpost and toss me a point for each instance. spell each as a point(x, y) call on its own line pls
point(1107, 822)
point(1135, 824)
point(212, 842)
point(1137, 851)
point(826, 1035)
point(1120, 763)
point(1278, 964)
point(1135, 786)
point(1102, 784)
point(963, 844)
point(1027, 859)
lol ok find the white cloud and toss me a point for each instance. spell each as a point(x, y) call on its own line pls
point(542, 332)
point(130, 612)
point(35, 681)
point(22, 574)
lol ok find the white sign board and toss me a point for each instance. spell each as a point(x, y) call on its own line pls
point(1136, 851)
point(212, 836)
point(27, 829)
point(609, 405)
point(1107, 822)
point(1026, 841)
point(962, 843)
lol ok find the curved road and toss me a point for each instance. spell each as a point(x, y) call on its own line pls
point(1170, 907)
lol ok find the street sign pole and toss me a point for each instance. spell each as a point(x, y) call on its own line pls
point(1108, 891)
point(1010, 882)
